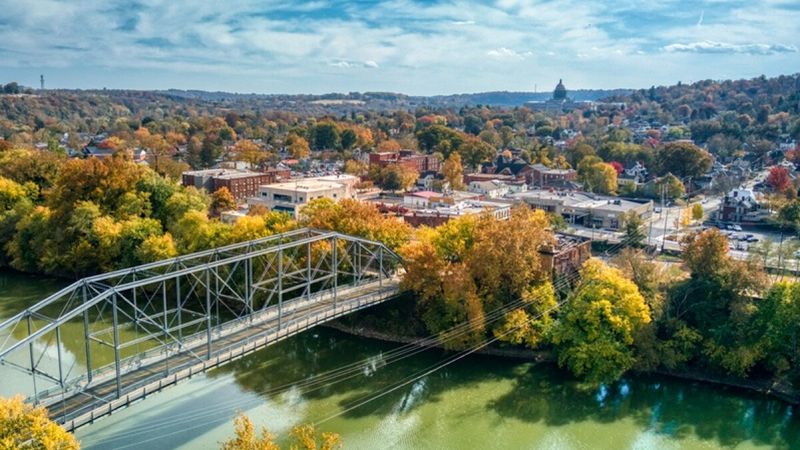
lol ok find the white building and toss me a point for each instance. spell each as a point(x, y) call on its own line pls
point(291, 196)
point(490, 189)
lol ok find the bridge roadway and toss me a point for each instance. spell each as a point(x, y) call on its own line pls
point(230, 341)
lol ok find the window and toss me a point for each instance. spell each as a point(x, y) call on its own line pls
point(282, 198)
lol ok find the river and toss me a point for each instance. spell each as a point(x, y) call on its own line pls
point(477, 402)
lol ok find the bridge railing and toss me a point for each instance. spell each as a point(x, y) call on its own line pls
point(101, 328)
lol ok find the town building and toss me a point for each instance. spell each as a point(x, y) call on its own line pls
point(433, 216)
point(291, 196)
point(567, 256)
point(489, 189)
point(543, 176)
point(423, 164)
point(739, 205)
point(560, 102)
point(585, 208)
point(241, 183)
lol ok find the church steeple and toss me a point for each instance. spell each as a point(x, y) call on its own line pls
point(560, 93)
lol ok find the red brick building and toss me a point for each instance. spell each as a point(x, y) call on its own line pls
point(242, 184)
point(406, 158)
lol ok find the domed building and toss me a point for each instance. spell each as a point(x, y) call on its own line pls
point(560, 92)
point(559, 103)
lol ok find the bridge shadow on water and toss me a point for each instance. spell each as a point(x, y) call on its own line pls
point(539, 393)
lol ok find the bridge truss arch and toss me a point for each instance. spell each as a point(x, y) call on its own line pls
point(106, 340)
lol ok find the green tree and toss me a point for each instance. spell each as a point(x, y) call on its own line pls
point(682, 159)
point(348, 138)
point(594, 337)
point(634, 229)
point(326, 136)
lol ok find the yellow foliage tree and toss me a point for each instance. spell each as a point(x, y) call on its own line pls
point(23, 426)
point(453, 171)
point(595, 334)
point(302, 437)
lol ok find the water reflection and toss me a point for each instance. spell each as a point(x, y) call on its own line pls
point(539, 393)
point(478, 402)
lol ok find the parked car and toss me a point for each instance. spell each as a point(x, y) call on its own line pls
point(737, 227)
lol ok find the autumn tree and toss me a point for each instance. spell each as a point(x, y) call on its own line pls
point(297, 146)
point(453, 171)
point(474, 152)
point(595, 334)
point(597, 176)
point(301, 437)
point(222, 200)
point(778, 179)
point(248, 151)
point(697, 212)
point(25, 426)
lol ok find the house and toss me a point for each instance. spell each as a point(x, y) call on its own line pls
point(738, 205)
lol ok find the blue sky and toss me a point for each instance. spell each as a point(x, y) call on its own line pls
point(414, 47)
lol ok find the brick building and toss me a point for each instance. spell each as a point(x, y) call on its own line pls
point(543, 176)
point(406, 158)
point(242, 184)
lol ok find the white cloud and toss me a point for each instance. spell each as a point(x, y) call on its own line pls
point(725, 47)
point(507, 53)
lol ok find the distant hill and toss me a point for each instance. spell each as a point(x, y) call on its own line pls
point(496, 98)
point(510, 99)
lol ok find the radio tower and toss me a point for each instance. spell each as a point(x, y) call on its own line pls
point(41, 81)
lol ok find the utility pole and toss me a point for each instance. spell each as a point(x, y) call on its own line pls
point(666, 215)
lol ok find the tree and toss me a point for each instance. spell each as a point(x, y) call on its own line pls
point(348, 138)
point(326, 136)
point(298, 146)
point(25, 426)
point(453, 171)
point(302, 437)
point(357, 168)
point(474, 152)
point(674, 187)
point(396, 177)
point(597, 176)
point(222, 200)
point(248, 151)
point(682, 159)
point(634, 229)
point(779, 180)
point(697, 211)
point(595, 334)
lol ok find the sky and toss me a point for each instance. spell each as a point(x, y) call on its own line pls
point(423, 47)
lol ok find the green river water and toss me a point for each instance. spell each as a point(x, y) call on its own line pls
point(476, 403)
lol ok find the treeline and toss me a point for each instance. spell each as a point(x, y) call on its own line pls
point(74, 217)
point(713, 314)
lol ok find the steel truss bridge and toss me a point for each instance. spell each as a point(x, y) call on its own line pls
point(108, 340)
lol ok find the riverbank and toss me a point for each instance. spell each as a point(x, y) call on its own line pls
point(778, 390)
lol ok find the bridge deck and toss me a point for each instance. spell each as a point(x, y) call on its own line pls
point(230, 341)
